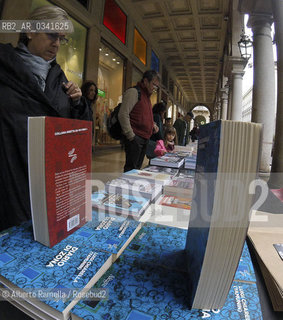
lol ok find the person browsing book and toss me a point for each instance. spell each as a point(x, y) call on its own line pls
point(31, 84)
point(136, 119)
point(168, 144)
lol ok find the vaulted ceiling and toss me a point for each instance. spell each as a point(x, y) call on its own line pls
point(189, 36)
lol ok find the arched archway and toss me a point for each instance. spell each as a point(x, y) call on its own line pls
point(201, 114)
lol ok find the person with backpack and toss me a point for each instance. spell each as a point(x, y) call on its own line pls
point(136, 119)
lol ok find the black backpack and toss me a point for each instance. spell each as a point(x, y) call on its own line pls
point(113, 125)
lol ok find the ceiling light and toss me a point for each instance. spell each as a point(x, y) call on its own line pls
point(107, 54)
point(114, 59)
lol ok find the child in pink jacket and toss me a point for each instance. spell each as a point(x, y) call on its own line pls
point(168, 144)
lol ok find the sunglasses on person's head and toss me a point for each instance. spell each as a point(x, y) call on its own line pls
point(56, 36)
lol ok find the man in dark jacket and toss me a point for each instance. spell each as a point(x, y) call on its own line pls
point(31, 84)
point(182, 128)
point(136, 119)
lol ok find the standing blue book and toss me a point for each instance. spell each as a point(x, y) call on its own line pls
point(70, 267)
point(150, 292)
point(227, 163)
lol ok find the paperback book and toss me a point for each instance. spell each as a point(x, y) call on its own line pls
point(180, 187)
point(227, 163)
point(52, 276)
point(71, 266)
point(168, 160)
point(59, 159)
point(190, 162)
point(173, 172)
point(119, 204)
point(159, 245)
point(134, 187)
point(156, 177)
point(186, 173)
point(171, 211)
point(155, 293)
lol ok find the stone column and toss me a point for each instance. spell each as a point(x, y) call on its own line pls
point(224, 102)
point(263, 109)
point(234, 70)
point(276, 177)
point(237, 94)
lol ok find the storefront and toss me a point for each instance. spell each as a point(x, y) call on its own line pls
point(110, 84)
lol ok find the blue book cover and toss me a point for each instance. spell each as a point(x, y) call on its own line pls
point(164, 246)
point(119, 204)
point(226, 165)
point(159, 245)
point(66, 268)
point(245, 270)
point(201, 210)
point(151, 292)
point(69, 265)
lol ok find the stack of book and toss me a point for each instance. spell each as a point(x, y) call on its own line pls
point(119, 204)
point(156, 177)
point(181, 187)
point(171, 211)
point(56, 277)
point(170, 160)
point(173, 172)
point(190, 162)
point(134, 187)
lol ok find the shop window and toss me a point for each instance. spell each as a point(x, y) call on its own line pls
point(154, 62)
point(71, 56)
point(110, 88)
point(115, 20)
point(140, 47)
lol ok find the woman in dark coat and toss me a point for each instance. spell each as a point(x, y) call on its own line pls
point(31, 84)
point(158, 110)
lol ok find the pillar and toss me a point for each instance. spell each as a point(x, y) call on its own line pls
point(224, 102)
point(234, 70)
point(276, 177)
point(237, 95)
point(263, 108)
